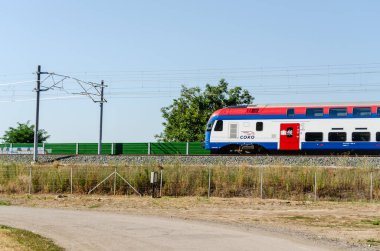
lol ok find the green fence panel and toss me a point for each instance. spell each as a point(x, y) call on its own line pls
point(197, 148)
point(131, 148)
point(106, 148)
point(168, 148)
point(88, 148)
point(62, 148)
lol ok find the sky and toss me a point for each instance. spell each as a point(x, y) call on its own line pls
point(281, 51)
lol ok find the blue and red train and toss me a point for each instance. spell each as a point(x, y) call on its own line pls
point(314, 127)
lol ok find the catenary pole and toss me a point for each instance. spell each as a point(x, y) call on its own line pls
point(38, 89)
point(101, 118)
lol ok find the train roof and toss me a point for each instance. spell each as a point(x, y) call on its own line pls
point(299, 108)
point(320, 104)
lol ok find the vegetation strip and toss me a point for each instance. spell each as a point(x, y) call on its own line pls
point(27, 240)
point(271, 182)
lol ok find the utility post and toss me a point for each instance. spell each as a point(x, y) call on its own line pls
point(101, 118)
point(38, 89)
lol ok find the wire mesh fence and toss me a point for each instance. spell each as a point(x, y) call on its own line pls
point(273, 182)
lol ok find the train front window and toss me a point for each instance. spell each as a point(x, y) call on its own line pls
point(219, 126)
point(314, 112)
point(362, 111)
point(209, 126)
point(338, 112)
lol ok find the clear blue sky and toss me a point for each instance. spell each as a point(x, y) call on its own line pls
point(282, 51)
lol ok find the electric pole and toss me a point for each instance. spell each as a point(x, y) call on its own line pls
point(101, 118)
point(38, 89)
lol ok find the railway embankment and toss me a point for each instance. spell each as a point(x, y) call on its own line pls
point(228, 160)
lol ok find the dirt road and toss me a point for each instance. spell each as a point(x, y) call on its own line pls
point(84, 230)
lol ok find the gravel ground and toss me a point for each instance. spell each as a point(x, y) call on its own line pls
point(327, 161)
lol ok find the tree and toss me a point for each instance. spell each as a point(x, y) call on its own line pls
point(186, 117)
point(24, 133)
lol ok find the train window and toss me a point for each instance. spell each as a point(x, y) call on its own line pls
point(219, 126)
point(337, 136)
point(233, 131)
point(314, 112)
point(313, 136)
point(338, 112)
point(378, 111)
point(362, 111)
point(209, 126)
point(378, 136)
point(361, 136)
point(259, 126)
point(290, 112)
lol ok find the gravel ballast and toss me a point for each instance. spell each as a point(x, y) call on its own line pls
point(228, 160)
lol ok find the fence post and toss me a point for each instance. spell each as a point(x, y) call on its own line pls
point(209, 183)
point(43, 148)
point(30, 180)
point(371, 188)
point(77, 148)
point(149, 148)
point(112, 148)
point(261, 183)
point(71, 180)
point(11, 148)
point(161, 174)
point(315, 186)
point(114, 183)
point(187, 148)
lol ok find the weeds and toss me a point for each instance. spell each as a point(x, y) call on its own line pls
point(279, 182)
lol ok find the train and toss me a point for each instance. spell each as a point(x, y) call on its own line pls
point(295, 128)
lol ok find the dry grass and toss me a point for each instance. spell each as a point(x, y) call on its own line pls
point(296, 183)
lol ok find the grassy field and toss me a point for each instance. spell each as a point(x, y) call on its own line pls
point(20, 240)
point(279, 182)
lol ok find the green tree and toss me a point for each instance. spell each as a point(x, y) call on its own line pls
point(186, 117)
point(24, 133)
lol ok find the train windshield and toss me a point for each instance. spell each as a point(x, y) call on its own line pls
point(209, 126)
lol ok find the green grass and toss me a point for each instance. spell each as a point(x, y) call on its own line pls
point(5, 203)
point(94, 206)
point(372, 222)
point(373, 242)
point(29, 240)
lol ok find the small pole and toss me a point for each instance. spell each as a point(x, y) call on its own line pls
point(187, 148)
point(71, 180)
point(261, 183)
point(114, 183)
point(148, 148)
point(101, 118)
point(315, 186)
point(11, 148)
point(77, 148)
point(112, 149)
point(161, 182)
point(30, 180)
point(43, 148)
point(38, 89)
point(209, 183)
point(371, 188)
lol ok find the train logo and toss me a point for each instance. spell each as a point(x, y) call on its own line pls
point(247, 135)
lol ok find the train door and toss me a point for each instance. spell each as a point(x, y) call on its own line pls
point(290, 136)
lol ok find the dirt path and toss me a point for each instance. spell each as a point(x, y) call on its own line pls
point(84, 230)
